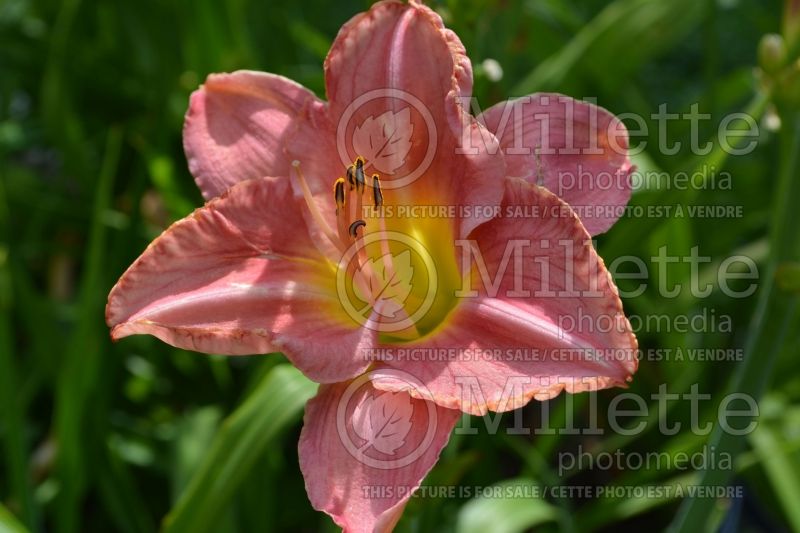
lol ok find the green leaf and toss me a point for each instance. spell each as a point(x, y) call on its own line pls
point(12, 409)
point(195, 436)
point(310, 38)
point(9, 524)
point(780, 469)
point(162, 174)
point(83, 360)
point(509, 512)
point(788, 276)
point(272, 406)
point(769, 331)
point(608, 510)
point(653, 25)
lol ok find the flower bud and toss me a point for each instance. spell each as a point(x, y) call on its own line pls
point(771, 53)
point(791, 22)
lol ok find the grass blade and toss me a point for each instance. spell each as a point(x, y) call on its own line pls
point(80, 371)
point(12, 410)
point(9, 524)
point(609, 34)
point(274, 404)
point(505, 514)
point(769, 331)
point(780, 470)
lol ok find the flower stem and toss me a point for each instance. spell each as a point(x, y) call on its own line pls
point(770, 328)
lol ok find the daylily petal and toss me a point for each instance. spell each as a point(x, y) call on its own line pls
point(238, 124)
point(551, 321)
point(320, 166)
point(397, 46)
point(241, 276)
point(363, 451)
point(396, 80)
point(367, 67)
point(469, 175)
point(577, 150)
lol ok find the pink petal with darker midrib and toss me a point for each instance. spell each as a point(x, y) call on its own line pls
point(241, 276)
point(577, 150)
point(238, 124)
point(559, 329)
point(367, 493)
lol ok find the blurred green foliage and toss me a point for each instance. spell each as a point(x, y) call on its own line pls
point(98, 437)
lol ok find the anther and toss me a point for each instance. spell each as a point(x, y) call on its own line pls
point(351, 176)
point(355, 226)
point(338, 194)
point(359, 174)
point(377, 195)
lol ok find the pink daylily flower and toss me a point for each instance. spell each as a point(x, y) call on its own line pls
point(315, 208)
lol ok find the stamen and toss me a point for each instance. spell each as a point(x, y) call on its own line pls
point(338, 194)
point(354, 227)
point(377, 194)
point(314, 209)
point(341, 210)
point(360, 174)
point(358, 192)
point(356, 231)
